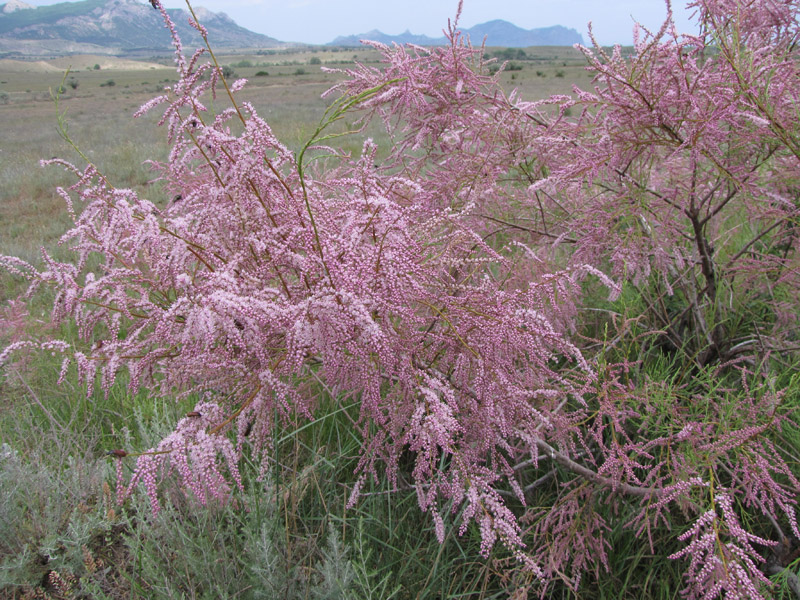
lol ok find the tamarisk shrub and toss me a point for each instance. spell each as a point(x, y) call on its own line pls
point(683, 165)
point(678, 177)
point(441, 289)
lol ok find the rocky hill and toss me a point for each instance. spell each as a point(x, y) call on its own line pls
point(119, 26)
point(497, 33)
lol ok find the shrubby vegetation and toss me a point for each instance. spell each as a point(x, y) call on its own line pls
point(228, 72)
point(556, 320)
point(511, 54)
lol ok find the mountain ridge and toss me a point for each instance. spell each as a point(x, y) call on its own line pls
point(120, 27)
point(496, 32)
point(123, 25)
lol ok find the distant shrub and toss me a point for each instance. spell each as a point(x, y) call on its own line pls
point(300, 71)
point(228, 71)
point(262, 74)
point(242, 64)
point(4, 98)
point(109, 83)
point(506, 66)
point(559, 73)
point(511, 54)
point(315, 60)
point(96, 67)
point(73, 83)
point(541, 74)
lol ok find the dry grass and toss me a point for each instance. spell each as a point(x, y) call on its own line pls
point(99, 116)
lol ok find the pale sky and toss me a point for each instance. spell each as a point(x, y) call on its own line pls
point(320, 21)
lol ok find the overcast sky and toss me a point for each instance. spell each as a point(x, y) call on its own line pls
point(320, 21)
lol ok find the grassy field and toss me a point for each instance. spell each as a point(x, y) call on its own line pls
point(289, 535)
point(100, 121)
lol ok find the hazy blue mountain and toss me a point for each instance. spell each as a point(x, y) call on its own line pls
point(378, 36)
point(503, 33)
point(497, 33)
point(125, 25)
